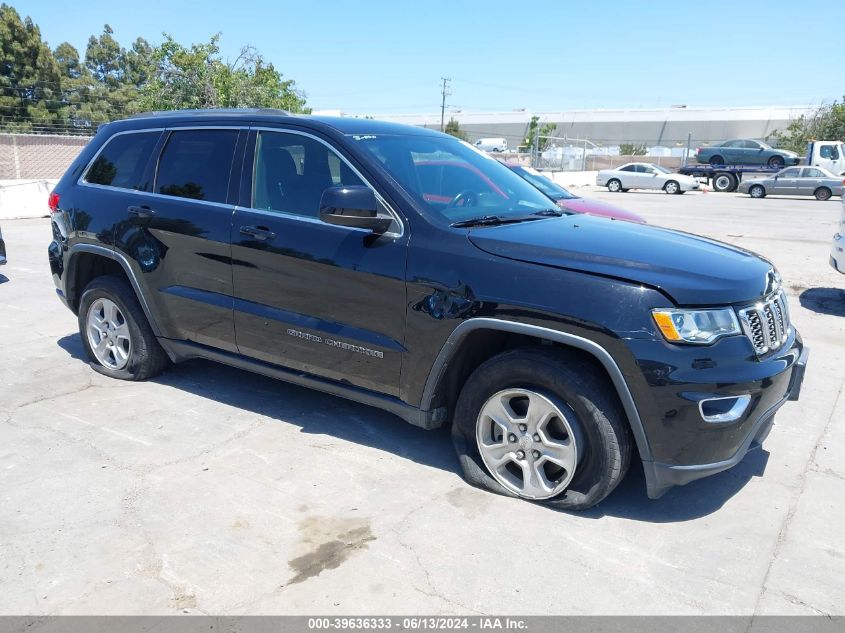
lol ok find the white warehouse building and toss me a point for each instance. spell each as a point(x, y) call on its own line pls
point(665, 129)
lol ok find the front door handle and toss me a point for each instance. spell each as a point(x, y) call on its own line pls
point(141, 212)
point(258, 232)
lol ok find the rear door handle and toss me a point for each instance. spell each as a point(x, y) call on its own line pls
point(258, 232)
point(141, 212)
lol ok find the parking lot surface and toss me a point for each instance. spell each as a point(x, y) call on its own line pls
point(213, 490)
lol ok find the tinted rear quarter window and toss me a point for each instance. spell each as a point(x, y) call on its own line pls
point(123, 161)
point(196, 164)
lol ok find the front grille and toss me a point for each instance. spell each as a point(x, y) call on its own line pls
point(766, 324)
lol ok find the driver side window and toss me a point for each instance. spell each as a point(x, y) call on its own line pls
point(291, 172)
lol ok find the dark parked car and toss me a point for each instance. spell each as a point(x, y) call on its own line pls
point(315, 250)
point(745, 151)
point(2, 250)
point(569, 201)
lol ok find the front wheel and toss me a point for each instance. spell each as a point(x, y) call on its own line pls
point(757, 191)
point(823, 193)
point(776, 161)
point(115, 331)
point(614, 185)
point(672, 187)
point(543, 425)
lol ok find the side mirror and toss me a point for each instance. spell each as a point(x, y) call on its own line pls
point(352, 206)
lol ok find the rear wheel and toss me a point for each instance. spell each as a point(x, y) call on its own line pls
point(543, 425)
point(614, 185)
point(115, 331)
point(823, 193)
point(757, 191)
point(724, 182)
point(672, 187)
point(776, 161)
point(717, 160)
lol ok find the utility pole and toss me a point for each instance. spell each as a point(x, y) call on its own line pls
point(444, 92)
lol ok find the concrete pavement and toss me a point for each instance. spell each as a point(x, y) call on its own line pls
point(213, 490)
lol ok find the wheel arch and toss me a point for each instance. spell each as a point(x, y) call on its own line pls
point(458, 357)
point(87, 261)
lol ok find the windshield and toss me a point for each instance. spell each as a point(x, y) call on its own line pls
point(546, 185)
point(662, 169)
point(452, 179)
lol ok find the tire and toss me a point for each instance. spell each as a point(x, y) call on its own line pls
point(129, 349)
point(672, 187)
point(717, 160)
point(776, 161)
point(823, 193)
point(585, 403)
point(724, 182)
point(614, 185)
point(757, 191)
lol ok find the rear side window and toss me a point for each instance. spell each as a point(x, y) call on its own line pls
point(196, 164)
point(123, 160)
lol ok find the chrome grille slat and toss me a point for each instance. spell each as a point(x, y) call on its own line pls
point(766, 324)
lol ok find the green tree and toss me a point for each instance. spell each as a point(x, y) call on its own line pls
point(629, 149)
point(538, 132)
point(104, 58)
point(196, 77)
point(30, 91)
point(454, 128)
point(826, 124)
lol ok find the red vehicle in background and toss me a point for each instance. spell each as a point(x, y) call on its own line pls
point(569, 201)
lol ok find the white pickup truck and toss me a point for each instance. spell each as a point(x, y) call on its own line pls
point(837, 249)
point(827, 154)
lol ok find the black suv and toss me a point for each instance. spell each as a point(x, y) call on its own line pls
point(402, 268)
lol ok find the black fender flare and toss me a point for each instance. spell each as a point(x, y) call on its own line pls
point(112, 254)
point(571, 340)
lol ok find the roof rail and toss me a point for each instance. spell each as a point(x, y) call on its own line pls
point(209, 112)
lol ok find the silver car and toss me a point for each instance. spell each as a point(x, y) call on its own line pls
point(795, 181)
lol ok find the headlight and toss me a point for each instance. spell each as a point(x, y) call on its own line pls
point(696, 326)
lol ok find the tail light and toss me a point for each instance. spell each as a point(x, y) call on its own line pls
point(53, 202)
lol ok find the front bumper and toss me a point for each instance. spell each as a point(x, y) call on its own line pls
point(660, 476)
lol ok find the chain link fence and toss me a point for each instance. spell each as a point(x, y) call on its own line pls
point(37, 156)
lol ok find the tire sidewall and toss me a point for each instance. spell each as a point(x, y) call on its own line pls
point(556, 382)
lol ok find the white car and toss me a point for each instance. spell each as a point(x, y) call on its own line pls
point(645, 176)
point(837, 249)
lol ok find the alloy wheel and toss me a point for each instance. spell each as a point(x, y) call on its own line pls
point(528, 443)
point(108, 334)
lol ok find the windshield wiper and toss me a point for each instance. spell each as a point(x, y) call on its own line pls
point(494, 220)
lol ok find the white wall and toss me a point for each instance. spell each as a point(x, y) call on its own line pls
point(24, 198)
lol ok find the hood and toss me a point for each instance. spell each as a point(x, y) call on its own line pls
point(692, 270)
point(597, 207)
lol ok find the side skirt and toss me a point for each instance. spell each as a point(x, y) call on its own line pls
point(179, 351)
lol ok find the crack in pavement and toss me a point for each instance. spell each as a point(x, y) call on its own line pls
point(793, 507)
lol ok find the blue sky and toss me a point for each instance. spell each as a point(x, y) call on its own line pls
point(386, 57)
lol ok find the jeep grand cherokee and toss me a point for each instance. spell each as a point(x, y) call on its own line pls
point(315, 250)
